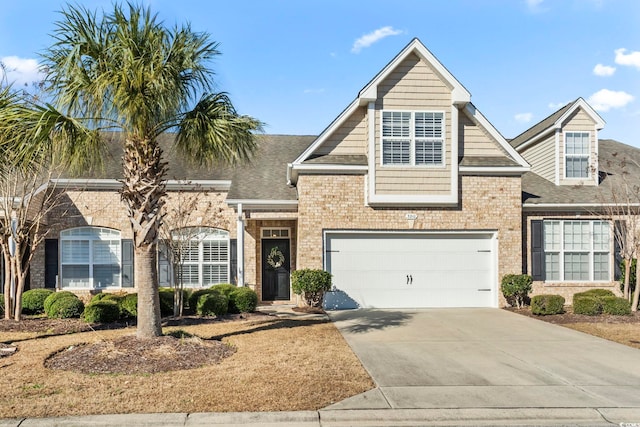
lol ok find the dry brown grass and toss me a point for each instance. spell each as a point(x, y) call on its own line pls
point(623, 333)
point(279, 365)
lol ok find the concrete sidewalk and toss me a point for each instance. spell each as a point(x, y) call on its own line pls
point(343, 418)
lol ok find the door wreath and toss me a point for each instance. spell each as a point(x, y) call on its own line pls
point(275, 258)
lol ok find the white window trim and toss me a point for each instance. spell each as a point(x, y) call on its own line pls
point(565, 155)
point(206, 233)
point(591, 251)
point(412, 142)
point(287, 229)
point(90, 264)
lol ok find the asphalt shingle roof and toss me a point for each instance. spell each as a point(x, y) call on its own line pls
point(335, 159)
point(618, 163)
point(488, 161)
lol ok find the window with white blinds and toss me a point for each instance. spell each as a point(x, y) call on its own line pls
point(205, 255)
point(90, 257)
point(413, 138)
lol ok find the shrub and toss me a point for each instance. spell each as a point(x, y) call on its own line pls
point(1, 305)
point(166, 301)
point(616, 306)
point(243, 300)
point(586, 304)
point(516, 288)
point(632, 276)
point(33, 300)
point(224, 288)
point(547, 304)
point(212, 303)
point(102, 311)
point(192, 301)
point(311, 284)
point(66, 307)
point(129, 305)
point(598, 293)
point(55, 297)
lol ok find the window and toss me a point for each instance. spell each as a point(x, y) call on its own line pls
point(205, 257)
point(577, 250)
point(413, 138)
point(90, 258)
point(576, 154)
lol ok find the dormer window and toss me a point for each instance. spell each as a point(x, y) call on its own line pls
point(577, 154)
point(413, 138)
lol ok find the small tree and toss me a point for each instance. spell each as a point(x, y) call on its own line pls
point(178, 232)
point(26, 198)
point(311, 284)
point(516, 288)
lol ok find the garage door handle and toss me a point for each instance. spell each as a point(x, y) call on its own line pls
point(484, 290)
point(484, 250)
point(409, 279)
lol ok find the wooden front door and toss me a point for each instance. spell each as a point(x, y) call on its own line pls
point(276, 267)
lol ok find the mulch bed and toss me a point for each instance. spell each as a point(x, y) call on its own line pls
point(569, 317)
point(129, 355)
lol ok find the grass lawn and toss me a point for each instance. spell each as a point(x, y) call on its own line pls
point(279, 365)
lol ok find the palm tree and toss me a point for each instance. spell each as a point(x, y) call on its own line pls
point(126, 71)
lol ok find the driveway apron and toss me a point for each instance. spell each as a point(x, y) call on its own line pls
point(485, 358)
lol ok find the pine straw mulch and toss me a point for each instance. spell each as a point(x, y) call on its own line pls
point(621, 329)
point(251, 362)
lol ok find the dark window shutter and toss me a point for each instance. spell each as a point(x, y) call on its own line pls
point(50, 262)
point(617, 258)
point(537, 250)
point(233, 261)
point(127, 263)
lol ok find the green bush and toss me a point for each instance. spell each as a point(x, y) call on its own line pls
point(547, 304)
point(632, 276)
point(213, 303)
point(129, 305)
point(166, 301)
point(311, 284)
point(586, 304)
point(66, 307)
point(55, 297)
point(598, 293)
point(1, 305)
point(224, 288)
point(243, 300)
point(616, 306)
point(102, 311)
point(192, 300)
point(33, 300)
point(516, 288)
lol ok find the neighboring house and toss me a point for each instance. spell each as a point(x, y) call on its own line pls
point(410, 198)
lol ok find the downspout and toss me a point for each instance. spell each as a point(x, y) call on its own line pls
point(240, 245)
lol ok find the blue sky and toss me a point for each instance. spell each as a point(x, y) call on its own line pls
point(296, 64)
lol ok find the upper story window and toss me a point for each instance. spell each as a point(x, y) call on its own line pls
point(577, 149)
point(413, 138)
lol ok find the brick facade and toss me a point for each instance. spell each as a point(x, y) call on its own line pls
point(337, 202)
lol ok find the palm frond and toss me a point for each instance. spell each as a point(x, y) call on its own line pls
point(213, 131)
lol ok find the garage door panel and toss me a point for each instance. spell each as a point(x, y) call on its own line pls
point(422, 270)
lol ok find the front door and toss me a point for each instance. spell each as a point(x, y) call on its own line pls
point(275, 269)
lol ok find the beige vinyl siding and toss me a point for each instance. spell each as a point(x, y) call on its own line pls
point(541, 157)
point(579, 121)
point(350, 138)
point(475, 141)
point(414, 86)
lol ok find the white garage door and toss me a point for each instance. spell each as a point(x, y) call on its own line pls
point(399, 270)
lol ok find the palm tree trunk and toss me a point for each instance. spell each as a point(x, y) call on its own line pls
point(143, 191)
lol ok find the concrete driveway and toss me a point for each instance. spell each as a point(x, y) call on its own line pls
point(487, 358)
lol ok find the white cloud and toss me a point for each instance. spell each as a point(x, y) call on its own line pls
point(605, 99)
point(377, 35)
point(632, 58)
point(556, 105)
point(535, 6)
point(523, 117)
point(603, 70)
point(20, 71)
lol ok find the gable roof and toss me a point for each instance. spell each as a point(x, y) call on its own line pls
point(554, 121)
point(619, 164)
point(369, 93)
